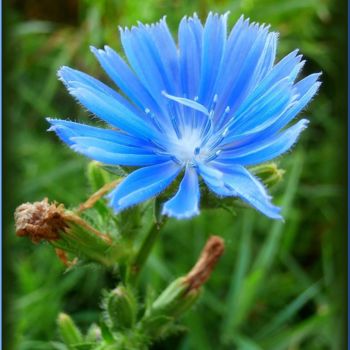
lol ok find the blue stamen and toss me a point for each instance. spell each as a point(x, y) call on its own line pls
point(218, 139)
point(213, 156)
point(223, 118)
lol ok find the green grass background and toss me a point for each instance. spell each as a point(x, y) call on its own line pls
point(279, 285)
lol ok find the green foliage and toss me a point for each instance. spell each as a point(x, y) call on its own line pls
point(276, 286)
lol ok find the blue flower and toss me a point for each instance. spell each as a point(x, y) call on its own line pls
point(209, 106)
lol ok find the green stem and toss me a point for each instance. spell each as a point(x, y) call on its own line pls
point(145, 250)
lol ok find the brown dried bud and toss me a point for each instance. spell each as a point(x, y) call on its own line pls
point(40, 220)
point(201, 271)
point(181, 294)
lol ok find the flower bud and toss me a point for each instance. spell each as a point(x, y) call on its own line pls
point(121, 308)
point(269, 173)
point(93, 334)
point(69, 332)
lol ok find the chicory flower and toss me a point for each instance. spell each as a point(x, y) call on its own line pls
point(208, 106)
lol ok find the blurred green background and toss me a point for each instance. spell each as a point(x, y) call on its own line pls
point(279, 285)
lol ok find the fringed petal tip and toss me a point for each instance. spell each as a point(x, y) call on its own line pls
point(51, 121)
point(63, 74)
point(61, 131)
point(93, 49)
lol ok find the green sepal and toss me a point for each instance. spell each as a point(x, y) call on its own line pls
point(88, 244)
point(115, 170)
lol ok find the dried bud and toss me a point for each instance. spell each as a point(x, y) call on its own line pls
point(40, 220)
point(68, 233)
point(182, 293)
point(206, 263)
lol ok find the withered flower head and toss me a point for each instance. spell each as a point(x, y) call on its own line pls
point(40, 220)
point(201, 271)
point(182, 293)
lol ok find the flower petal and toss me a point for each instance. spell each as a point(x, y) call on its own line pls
point(249, 189)
point(165, 44)
point(269, 128)
point(68, 75)
point(143, 184)
point(106, 146)
point(254, 153)
point(248, 46)
point(190, 44)
point(211, 175)
point(66, 130)
point(112, 158)
point(264, 109)
point(145, 59)
point(214, 40)
point(185, 202)
point(289, 66)
point(246, 80)
point(214, 180)
point(295, 109)
point(109, 146)
point(121, 74)
point(111, 111)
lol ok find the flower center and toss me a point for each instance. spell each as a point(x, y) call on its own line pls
point(187, 148)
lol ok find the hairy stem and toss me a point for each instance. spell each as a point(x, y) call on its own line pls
point(144, 251)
